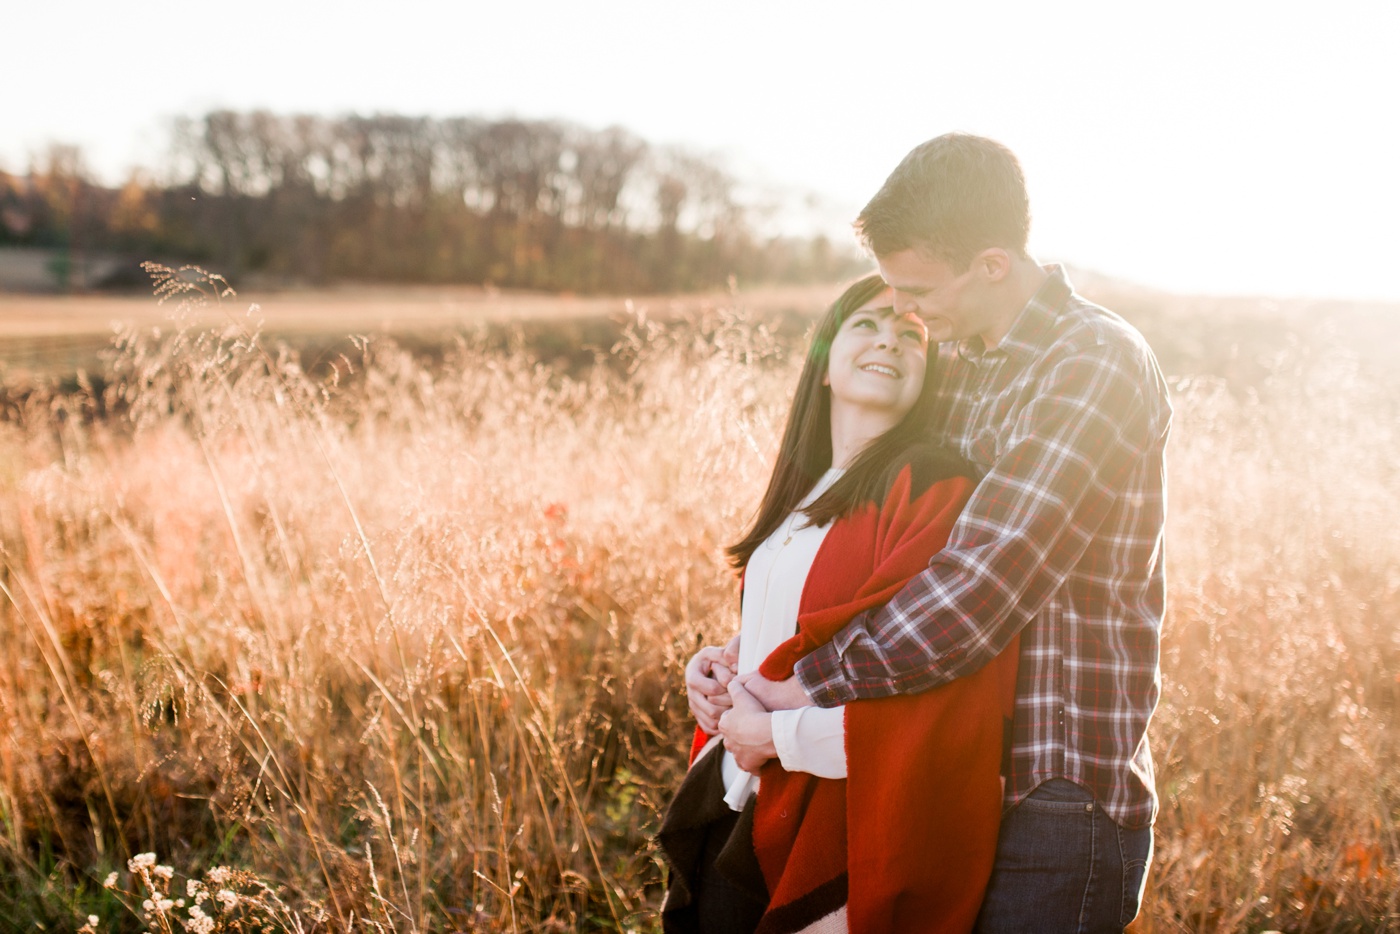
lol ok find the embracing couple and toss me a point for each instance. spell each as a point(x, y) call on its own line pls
point(934, 715)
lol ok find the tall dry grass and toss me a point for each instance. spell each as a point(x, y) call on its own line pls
point(1277, 736)
point(408, 645)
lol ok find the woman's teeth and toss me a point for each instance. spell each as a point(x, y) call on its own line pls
point(882, 369)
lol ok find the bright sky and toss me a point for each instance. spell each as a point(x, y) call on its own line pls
point(1214, 146)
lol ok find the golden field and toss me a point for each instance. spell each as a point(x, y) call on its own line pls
point(400, 641)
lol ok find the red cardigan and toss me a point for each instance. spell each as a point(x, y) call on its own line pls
point(907, 839)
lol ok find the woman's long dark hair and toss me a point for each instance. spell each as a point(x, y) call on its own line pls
point(805, 452)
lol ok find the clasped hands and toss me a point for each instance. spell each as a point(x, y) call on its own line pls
point(738, 708)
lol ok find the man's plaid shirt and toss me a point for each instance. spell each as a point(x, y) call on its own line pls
point(1061, 542)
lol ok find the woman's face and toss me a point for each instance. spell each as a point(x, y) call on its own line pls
point(877, 360)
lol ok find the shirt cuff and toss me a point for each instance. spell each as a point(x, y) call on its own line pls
point(785, 737)
point(824, 678)
point(811, 740)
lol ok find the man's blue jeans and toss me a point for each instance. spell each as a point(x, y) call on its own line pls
point(1064, 866)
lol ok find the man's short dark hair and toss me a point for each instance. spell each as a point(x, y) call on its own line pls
point(951, 198)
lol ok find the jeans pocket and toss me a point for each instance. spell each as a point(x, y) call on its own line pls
point(1135, 850)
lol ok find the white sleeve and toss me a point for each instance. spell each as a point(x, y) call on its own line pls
point(811, 739)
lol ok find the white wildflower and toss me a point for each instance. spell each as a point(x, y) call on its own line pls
point(163, 872)
point(218, 875)
point(148, 906)
point(199, 923)
point(111, 881)
point(141, 861)
point(228, 899)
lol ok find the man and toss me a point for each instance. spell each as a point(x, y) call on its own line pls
point(1062, 404)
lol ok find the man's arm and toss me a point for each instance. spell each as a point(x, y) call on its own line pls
point(1072, 449)
point(787, 694)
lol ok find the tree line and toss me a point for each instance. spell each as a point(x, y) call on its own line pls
point(543, 204)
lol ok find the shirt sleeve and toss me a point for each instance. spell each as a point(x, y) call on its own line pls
point(1069, 454)
point(811, 739)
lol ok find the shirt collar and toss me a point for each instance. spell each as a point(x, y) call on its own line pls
point(1027, 331)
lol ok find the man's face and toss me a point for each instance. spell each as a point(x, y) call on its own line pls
point(930, 288)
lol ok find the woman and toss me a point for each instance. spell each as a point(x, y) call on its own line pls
point(880, 816)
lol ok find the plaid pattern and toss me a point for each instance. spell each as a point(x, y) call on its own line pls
point(1061, 541)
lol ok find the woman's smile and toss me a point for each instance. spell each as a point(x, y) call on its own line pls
point(882, 370)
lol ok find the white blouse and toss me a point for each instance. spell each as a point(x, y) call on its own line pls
point(809, 739)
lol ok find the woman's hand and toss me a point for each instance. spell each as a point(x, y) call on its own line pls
point(707, 678)
point(747, 728)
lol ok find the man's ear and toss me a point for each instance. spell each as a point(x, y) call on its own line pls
point(992, 264)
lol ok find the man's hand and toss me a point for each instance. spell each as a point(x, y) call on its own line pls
point(747, 729)
point(775, 695)
point(707, 678)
